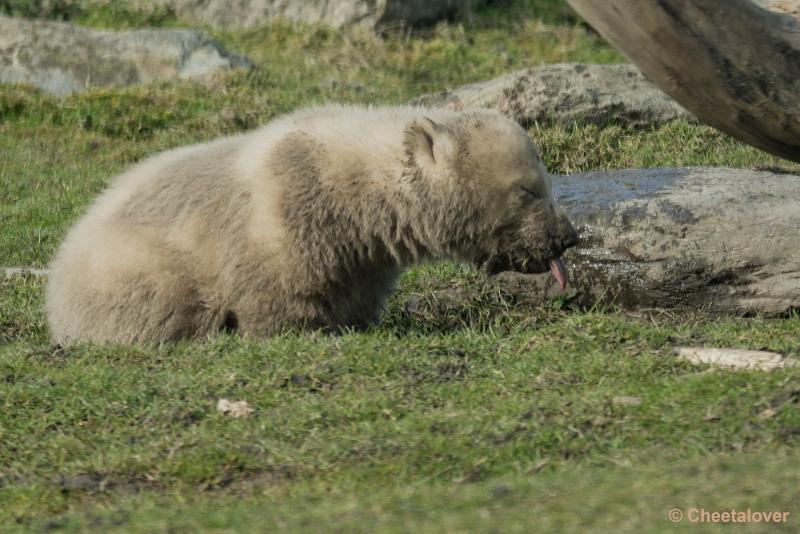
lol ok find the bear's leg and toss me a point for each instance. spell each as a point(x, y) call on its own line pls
point(117, 286)
point(270, 314)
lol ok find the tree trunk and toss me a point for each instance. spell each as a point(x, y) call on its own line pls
point(733, 64)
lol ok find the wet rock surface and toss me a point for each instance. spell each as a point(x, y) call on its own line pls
point(595, 94)
point(61, 58)
point(715, 239)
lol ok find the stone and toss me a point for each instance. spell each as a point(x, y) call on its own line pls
point(758, 360)
point(567, 92)
point(250, 14)
point(235, 409)
point(61, 58)
point(714, 239)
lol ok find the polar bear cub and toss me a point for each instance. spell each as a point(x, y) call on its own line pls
point(304, 223)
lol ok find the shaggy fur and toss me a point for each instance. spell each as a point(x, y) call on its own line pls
point(304, 223)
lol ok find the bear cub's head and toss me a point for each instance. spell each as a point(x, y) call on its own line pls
point(492, 193)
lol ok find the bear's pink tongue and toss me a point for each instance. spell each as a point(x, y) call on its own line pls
point(559, 272)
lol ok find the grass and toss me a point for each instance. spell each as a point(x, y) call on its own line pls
point(615, 498)
point(403, 426)
point(460, 415)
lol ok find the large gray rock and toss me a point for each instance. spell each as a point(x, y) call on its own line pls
point(716, 239)
point(249, 14)
point(567, 92)
point(61, 58)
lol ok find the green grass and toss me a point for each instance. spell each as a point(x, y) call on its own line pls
point(391, 421)
point(117, 14)
point(585, 498)
point(464, 414)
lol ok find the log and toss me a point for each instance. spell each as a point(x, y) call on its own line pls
point(733, 64)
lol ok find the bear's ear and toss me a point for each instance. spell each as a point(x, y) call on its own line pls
point(429, 143)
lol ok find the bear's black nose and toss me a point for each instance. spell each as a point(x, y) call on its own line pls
point(571, 238)
point(566, 232)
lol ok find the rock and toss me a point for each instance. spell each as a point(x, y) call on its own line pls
point(249, 14)
point(61, 58)
point(714, 239)
point(234, 409)
point(767, 413)
point(758, 360)
point(568, 92)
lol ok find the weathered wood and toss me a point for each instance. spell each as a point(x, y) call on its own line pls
point(733, 64)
